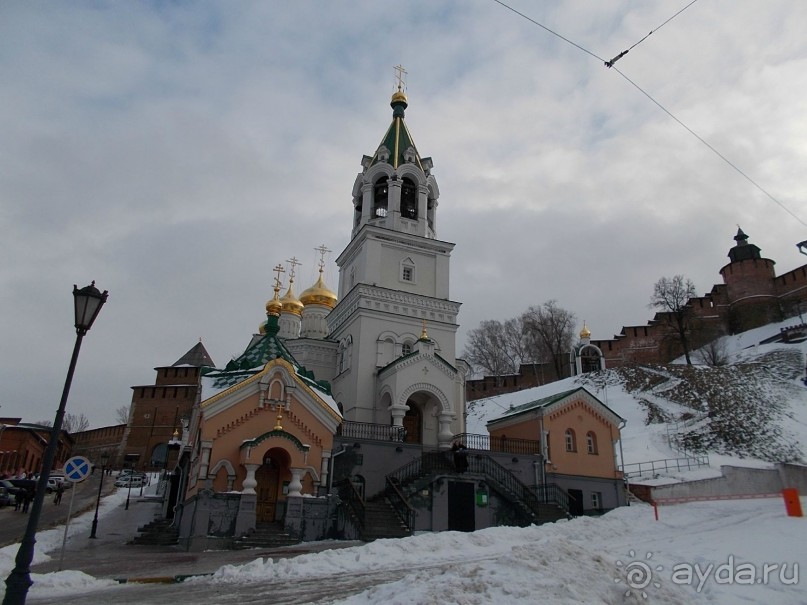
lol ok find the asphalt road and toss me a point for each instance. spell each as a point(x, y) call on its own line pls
point(13, 523)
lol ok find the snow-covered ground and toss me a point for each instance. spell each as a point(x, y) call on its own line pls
point(726, 552)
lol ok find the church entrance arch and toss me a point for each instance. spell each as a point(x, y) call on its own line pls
point(413, 423)
point(270, 483)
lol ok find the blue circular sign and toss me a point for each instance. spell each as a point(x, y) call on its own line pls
point(77, 469)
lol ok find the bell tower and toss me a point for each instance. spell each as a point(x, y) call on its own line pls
point(393, 278)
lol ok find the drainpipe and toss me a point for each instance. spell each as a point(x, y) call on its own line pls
point(622, 457)
point(330, 475)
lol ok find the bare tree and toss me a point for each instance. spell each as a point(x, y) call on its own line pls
point(70, 423)
point(671, 297)
point(75, 424)
point(550, 332)
point(122, 414)
point(487, 349)
point(714, 353)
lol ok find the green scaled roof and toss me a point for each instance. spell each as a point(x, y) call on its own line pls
point(397, 138)
point(252, 361)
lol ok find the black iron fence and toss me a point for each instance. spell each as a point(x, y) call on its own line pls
point(376, 432)
point(499, 444)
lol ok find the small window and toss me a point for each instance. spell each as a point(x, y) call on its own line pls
point(406, 348)
point(408, 270)
point(596, 500)
point(571, 443)
point(591, 442)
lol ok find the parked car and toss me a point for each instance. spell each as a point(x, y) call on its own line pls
point(130, 481)
point(54, 482)
point(25, 484)
point(5, 497)
point(9, 486)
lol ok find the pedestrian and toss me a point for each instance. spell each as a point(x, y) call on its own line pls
point(26, 502)
point(57, 499)
point(18, 498)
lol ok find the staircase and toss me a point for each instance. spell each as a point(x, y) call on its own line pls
point(265, 535)
point(159, 532)
point(381, 521)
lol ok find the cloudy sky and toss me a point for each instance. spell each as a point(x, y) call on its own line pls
point(176, 151)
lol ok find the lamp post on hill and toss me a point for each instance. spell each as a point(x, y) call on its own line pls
point(104, 461)
point(88, 302)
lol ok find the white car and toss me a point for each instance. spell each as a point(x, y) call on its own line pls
point(130, 481)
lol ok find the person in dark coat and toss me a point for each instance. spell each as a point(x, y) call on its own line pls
point(18, 498)
point(27, 498)
point(57, 499)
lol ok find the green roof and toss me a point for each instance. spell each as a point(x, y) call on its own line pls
point(397, 138)
point(257, 355)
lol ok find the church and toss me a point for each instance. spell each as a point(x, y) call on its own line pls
point(345, 415)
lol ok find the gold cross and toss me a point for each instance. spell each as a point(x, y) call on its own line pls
point(322, 252)
point(400, 72)
point(278, 270)
point(294, 264)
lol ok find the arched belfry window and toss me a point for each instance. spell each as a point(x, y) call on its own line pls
point(409, 199)
point(380, 198)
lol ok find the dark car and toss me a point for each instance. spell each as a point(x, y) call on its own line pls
point(24, 484)
point(5, 497)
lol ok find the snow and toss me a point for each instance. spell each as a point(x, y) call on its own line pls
point(699, 552)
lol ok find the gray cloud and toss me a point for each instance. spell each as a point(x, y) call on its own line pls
point(177, 152)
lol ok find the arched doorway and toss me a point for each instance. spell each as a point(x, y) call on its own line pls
point(270, 483)
point(413, 423)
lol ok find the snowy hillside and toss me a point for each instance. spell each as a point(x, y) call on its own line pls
point(750, 412)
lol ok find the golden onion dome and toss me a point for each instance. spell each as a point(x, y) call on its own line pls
point(585, 332)
point(319, 294)
point(290, 302)
point(274, 306)
point(399, 97)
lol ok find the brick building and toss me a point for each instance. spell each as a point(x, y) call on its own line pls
point(95, 442)
point(22, 446)
point(750, 296)
point(160, 410)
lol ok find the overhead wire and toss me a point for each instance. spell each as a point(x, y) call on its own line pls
point(609, 64)
point(625, 52)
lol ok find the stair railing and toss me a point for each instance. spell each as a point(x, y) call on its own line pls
point(401, 505)
point(352, 498)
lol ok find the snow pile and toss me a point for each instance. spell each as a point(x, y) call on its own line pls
point(585, 560)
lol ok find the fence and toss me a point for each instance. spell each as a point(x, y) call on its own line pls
point(638, 469)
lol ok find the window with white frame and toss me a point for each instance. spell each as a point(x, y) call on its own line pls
point(408, 270)
point(571, 442)
point(596, 500)
point(591, 442)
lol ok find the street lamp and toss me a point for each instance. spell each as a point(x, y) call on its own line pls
point(104, 461)
point(88, 302)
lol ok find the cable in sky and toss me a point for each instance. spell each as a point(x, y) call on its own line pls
point(625, 52)
point(659, 105)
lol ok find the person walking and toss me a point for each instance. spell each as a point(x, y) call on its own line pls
point(57, 499)
point(27, 498)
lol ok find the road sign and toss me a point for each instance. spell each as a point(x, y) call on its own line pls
point(77, 469)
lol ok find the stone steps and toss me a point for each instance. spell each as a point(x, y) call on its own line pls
point(159, 532)
point(381, 521)
point(265, 535)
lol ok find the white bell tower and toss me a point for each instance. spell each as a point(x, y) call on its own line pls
point(394, 322)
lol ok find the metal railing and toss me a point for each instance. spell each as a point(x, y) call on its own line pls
point(552, 493)
point(437, 462)
point(375, 432)
point(352, 498)
point(399, 502)
point(499, 444)
point(638, 469)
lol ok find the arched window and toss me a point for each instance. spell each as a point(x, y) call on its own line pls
point(380, 198)
point(406, 348)
point(591, 442)
point(409, 199)
point(571, 442)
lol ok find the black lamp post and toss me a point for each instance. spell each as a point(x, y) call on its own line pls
point(88, 302)
point(104, 461)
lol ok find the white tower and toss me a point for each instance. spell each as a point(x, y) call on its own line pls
point(394, 322)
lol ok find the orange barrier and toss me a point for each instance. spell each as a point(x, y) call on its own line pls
point(792, 502)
